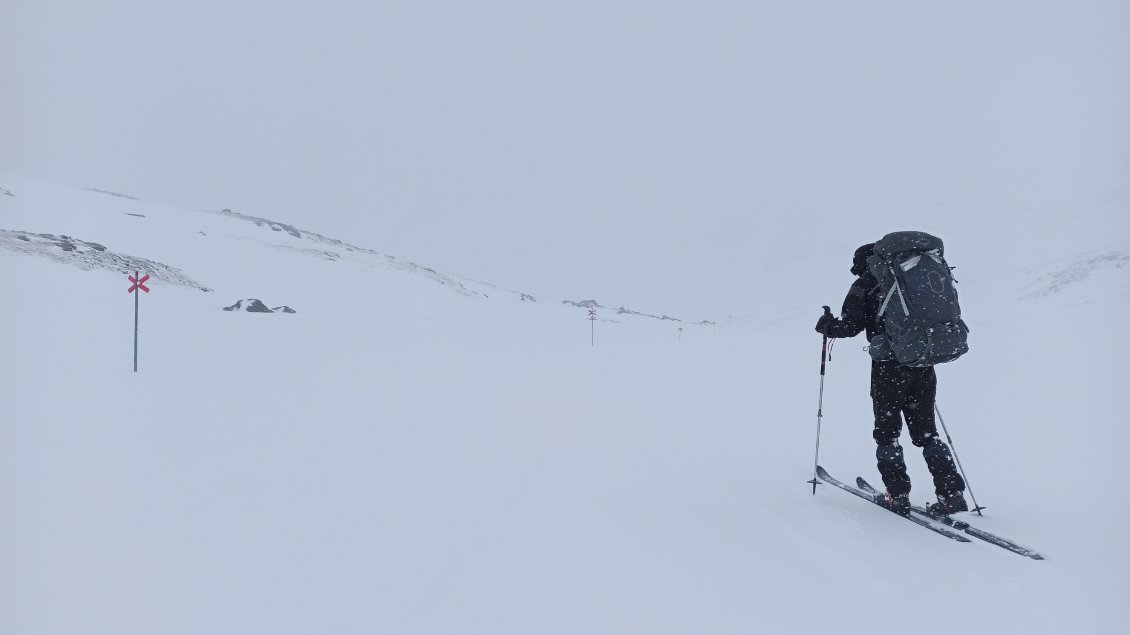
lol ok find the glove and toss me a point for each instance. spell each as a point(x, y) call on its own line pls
point(825, 322)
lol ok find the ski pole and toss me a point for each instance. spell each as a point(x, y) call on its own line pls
point(820, 406)
point(977, 508)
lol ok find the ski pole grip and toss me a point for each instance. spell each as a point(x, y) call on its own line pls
point(828, 311)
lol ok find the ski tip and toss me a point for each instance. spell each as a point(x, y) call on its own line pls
point(864, 485)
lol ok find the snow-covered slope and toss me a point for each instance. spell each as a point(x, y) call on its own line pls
point(181, 235)
point(398, 457)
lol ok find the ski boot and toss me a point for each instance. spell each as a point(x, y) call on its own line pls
point(949, 504)
point(898, 504)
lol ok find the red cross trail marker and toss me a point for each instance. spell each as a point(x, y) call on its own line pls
point(138, 283)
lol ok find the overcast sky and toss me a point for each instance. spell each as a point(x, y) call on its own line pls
point(628, 150)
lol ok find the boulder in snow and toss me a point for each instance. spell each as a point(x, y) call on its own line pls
point(255, 305)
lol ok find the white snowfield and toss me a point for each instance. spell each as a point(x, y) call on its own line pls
point(413, 452)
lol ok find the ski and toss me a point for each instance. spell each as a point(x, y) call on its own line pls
point(1004, 543)
point(922, 522)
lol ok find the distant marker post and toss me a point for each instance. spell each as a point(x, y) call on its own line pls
point(138, 283)
point(592, 324)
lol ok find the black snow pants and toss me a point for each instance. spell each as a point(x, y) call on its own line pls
point(898, 391)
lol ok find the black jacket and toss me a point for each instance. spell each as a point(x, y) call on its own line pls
point(860, 312)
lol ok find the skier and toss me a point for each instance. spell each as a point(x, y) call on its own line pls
point(896, 391)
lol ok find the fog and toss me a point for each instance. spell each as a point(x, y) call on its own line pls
point(637, 151)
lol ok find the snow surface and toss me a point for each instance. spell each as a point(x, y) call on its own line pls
point(412, 452)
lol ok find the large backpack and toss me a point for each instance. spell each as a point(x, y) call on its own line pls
point(918, 311)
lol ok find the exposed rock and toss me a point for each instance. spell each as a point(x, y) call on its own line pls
point(593, 304)
point(250, 305)
point(261, 222)
point(340, 250)
point(255, 305)
point(119, 195)
point(90, 256)
point(584, 304)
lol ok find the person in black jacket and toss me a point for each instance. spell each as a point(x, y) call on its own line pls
point(897, 391)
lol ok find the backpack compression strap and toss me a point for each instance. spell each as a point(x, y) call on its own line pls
point(887, 300)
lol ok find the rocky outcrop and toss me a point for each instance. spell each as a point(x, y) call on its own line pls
point(263, 222)
point(584, 304)
point(91, 256)
point(118, 194)
point(255, 305)
point(593, 304)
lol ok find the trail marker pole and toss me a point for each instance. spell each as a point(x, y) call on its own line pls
point(680, 333)
point(592, 323)
point(138, 283)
